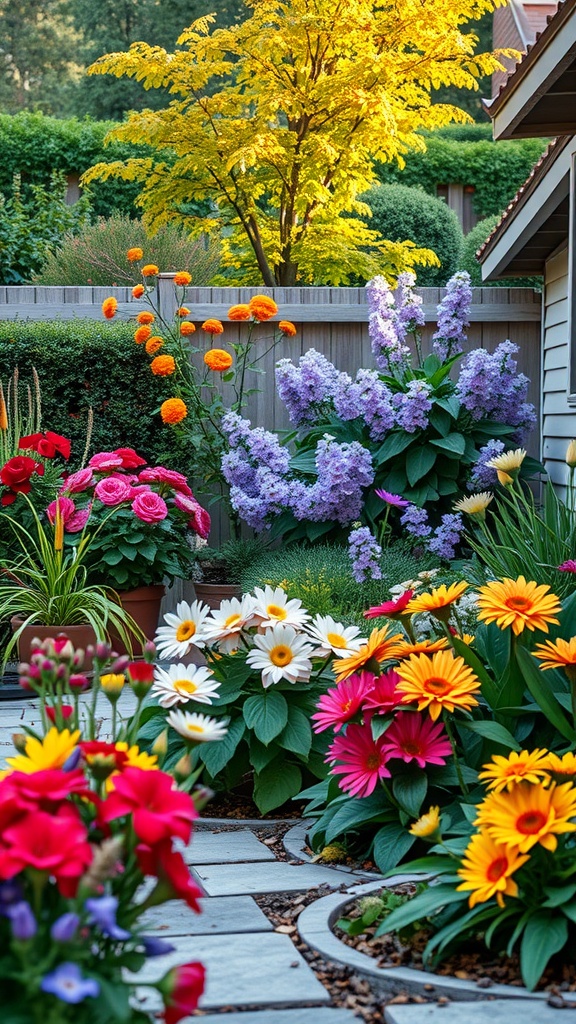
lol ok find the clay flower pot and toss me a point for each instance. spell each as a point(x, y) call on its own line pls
point(80, 636)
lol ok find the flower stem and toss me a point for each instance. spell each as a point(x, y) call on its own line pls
point(457, 765)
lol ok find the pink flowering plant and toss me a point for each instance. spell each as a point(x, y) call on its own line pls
point(143, 519)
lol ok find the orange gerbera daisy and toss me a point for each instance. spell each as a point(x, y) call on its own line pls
point(239, 312)
point(134, 254)
point(262, 307)
point(182, 278)
point(138, 291)
point(154, 344)
point(186, 328)
point(405, 649)
point(150, 270)
point(212, 327)
point(529, 814)
point(163, 366)
point(218, 360)
point(519, 604)
point(379, 647)
point(173, 410)
point(109, 307)
point(287, 328)
point(142, 334)
point(503, 772)
point(145, 317)
point(436, 682)
point(564, 766)
point(438, 601)
point(558, 654)
point(486, 870)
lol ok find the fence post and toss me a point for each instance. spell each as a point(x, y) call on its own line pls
point(166, 297)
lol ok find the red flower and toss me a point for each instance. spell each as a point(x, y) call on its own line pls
point(181, 989)
point(158, 810)
point(48, 788)
point(391, 609)
point(55, 844)
point(130, 459)
point(414, 737)
point(341, 704)
point(140, 676)
point(46, 444)
point(172, 872)
point(383, 696)
point(98, 752)
point(16, 474)
point(363, 757)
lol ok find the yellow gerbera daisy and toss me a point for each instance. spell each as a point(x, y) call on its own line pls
point(427, 824)
point(519, 604)
point(475, 505)
point(379, 647)
point(135, 758)
point(564, 766)
point(51, 752)
point(486, 870)
point(558, 654)
point(503, 772)
point(405, 649)
point(438, 601)
point(440, 681)
point(529, 814)
point(508, 462)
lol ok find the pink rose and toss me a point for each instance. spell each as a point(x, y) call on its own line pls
point(139, 489)
point(199, 518)
point(105, 460)
point(78, 481)
point(67, 509)
point(150, 507)
point(113, 490)
point(158, 474)
point(74, 519)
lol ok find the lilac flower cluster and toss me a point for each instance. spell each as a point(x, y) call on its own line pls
point(415, 521)
point(484, 477)
point(413, 406)
point(446, 537)
point(368, 397)
point(344, 470)
point(255, 468)
point(453, 317)
point(305, 387)
point(490, 388)
point(387, 332)
point(365, 553)
point(408, 305)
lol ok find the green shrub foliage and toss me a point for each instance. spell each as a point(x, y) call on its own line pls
point(472, 242)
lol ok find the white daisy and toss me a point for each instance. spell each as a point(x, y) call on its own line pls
point(184, 630)
point(226, 623)
point(272, 606)
point(334, 637)
point(197, 728)
point(181, 683)
point(281, 654)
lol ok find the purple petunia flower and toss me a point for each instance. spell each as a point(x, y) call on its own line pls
point(395, 500)
point(154, 946)
point(102, 910)
point(67, 983)
point(22, 920)
point(65, 928)
point(365, 552)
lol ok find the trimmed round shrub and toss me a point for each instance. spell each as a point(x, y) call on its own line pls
point(472, 242)
point(401, 213)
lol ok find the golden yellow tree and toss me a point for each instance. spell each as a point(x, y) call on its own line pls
point(278, 121)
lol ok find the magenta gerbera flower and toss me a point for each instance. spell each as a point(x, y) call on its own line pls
point(383, 696)
point(391, 609)
point(396, 500)
point(339, 705)
point(363, 760)
point(415, 737)
point(569, 566)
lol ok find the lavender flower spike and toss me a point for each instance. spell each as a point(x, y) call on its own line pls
point(453, 316)
point(365, 553)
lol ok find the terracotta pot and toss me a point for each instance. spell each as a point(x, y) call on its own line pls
point(213, 593)
point(80, 636)
point(143, 604)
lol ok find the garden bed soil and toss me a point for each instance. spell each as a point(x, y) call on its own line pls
point(476, 964)
point(238, 805)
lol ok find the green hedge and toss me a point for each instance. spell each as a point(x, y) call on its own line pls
point(83, 364)
point(472, 243)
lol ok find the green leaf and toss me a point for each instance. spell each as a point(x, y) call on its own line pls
point(391, 844)
point(356, 812)
point(261, 756)
point(276, 784)
point(419, 461)
point(569, 909)
point(559, 896)
point(542, 694)
point(488, 687)
point(395, 443)
point(545, 934)
point(452, 405)
point(217, 753)
point(440, 420)
point(431, 364)
point(492, 731)
point(452, 443)
point(297, 733)
point(422, 906)
point(410, 790)
point(112, 556)
point(266, 714)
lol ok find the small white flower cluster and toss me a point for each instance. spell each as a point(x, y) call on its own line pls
point(464, 613)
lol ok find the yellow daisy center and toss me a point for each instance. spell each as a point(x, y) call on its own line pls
point(194, 728)
point(185, 686)
point(335, 640)
point(185, 630)
point(438, 687)
point(232, 620)
point(531, 822)
point(496, 869)
point(280, 655)
point(346, 707)
point(275, 611)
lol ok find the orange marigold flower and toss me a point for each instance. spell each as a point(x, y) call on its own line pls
point(150, 270)
point(145, 317)
point(135, 254)
point(239, 312)
point(142, 334)
point(154, 344)
point(186, 328)
point(262, 307)
point(217, 359)
point(109, 307)
point(182, 278)
point(182, 311)
point(163, 366)
point(287, 328)
point(212, 327)
point(138, 291)
point(173, 410)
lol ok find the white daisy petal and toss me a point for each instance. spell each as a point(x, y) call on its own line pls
point(181, 683)
point(272, 606)
point(226, 623)
point(183, 630)
point(334, 637)
point(280, 653)
point(197, 728)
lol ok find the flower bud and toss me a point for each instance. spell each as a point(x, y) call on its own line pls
point(112, 685)
point(149, 651)
point(78, 682)
point(120, 664)
point(61, 672)
point(78, 659)
point(140, 677)
point(183, 768)
point(201, 796)
point(160, 745)
point(65, 927)
point(102, 652)
point(66, 711)
point(571, 454)
point(23, 922)
point(19, 740)
point(63, 647)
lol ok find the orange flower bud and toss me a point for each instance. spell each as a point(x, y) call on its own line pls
point(150, 270)
point(182, 311)
point(138, 291)
point(145, 317)
point(182, 278)
point(154, 344)
point(262, 307)
point(163, 366)
point(287, 328)
point(239, 312)
point(186, 328)
point(142, 334)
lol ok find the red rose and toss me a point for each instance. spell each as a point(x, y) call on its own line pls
point(46, 444)
point(181, 989)
point(130, 459)
point(16, 474)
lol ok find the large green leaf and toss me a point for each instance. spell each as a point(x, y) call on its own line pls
point(356, 812)
point(410, 789)
point(545, 934)
point(492, 731)
point(455, 443)
point(391, 844)
point(419, 461)
point(488, 687)
point(261, 756)
point(543, 695)
point(217, 753)
point(395, 443)
point(422, 906)
point(266, 713)
point(297, 733)
point(276, 784)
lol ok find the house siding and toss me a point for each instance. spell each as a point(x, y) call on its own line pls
point(558, 415)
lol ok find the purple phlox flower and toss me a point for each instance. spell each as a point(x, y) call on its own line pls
point(453, 316)
point(255, 468)
point(344, 470)
point(304, 388)
point(102, 910)
point(408, 305)
point(396, 500)
point(365, 553)
point(67, 983)
point(446, 536)
point(154, 946)
point(22, 920)
point(569, 566)
point(415, 521)
point(367, 397)
point(413, 406)
point(386, 328)
point(483, 477)
point(65, 927)
point(490, 388)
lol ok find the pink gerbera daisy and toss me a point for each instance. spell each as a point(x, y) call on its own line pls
point(391, 609)
point(383, 696)
point(415, 737)
point(339, 705)
point(363, 760)
point(395, 500)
